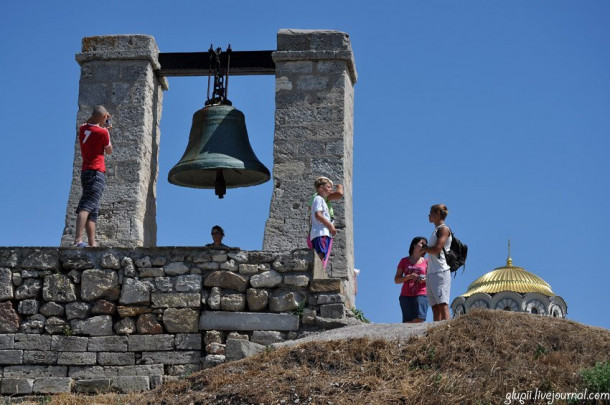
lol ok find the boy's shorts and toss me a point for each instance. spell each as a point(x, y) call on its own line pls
point(438, 287)
point(321, 244)
point(93, 183)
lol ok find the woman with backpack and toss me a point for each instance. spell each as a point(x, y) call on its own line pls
point(411, 272)
point(439, 274)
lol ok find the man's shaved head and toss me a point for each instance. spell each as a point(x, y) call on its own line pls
point(99, 111)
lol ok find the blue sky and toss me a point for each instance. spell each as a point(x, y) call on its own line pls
point(499, 109)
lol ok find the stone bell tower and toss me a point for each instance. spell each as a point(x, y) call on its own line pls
point(315, 76)
point(119, 72)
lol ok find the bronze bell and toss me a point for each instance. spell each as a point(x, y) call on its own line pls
point(219, 154)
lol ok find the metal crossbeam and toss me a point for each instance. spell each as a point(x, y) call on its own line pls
point(243, 63)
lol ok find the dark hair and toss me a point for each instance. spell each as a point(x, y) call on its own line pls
point(219, 229)
point(414, 242)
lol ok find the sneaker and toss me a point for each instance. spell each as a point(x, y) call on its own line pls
point(80, 244)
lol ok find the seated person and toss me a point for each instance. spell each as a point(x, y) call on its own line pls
point(217, 234)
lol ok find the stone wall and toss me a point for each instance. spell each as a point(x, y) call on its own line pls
point(125, 319)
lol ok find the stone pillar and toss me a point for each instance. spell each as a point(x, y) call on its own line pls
point(315, 76)
point(118, 72)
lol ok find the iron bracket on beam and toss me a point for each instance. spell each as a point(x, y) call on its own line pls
point(243, 63)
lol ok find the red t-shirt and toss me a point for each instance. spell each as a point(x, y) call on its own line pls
point(93, 139)
point(412, 288)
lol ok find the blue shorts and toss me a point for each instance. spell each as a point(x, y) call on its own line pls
point(321, 244)
point(413, 307)
point(93, 183)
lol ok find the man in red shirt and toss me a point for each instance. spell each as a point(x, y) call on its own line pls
point(94, 140)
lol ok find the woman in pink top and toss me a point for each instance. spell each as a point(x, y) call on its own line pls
point(411, 272)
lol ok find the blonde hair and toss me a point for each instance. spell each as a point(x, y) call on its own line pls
point(320, 181)
point(441, 209)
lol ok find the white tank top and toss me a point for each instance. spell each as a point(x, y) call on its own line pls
point(437, 263)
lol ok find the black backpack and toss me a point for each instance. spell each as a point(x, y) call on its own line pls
point(457, 253)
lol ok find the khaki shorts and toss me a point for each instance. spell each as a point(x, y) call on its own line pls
point(438, 286)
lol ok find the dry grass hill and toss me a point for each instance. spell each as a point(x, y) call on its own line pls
point(478, 358)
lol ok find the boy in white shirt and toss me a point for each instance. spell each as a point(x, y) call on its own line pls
point(322, 228)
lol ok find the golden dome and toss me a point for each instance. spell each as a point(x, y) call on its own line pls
point(509, 278)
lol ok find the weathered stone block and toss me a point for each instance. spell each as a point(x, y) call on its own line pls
point(212, 360)
point(52, 309)
point(148, 324)
point(212, 336)
point(69, 343)
point(248, 269)
point(230, 265)
point(284, 301)
point(151, 272)
point(144, 262)
point(43, 259)
point(33, 324)
point(175, 300)
point(77, 259)
point(183, 320)
point(58, 288)
point(116, 359)
point(55, 325)
point(190, 341)
point(268, 279)
point(76, 358)
point(164, 284)
point(100, 325)
point(175, 269)
point(6, 284)
point(186, 357)
point(125, 326)
point(266, 337)
point(77, 310)
point(134, 292)
point(209, 266)
point(215, 348)
point(246, 321)
point(52, 385)
point(9, 320)
point(97, 284)
point(92, 386)
point(214, 299)
point(17, 386)
point(28, 307)
point(233, 302)
point(139, 343)
point(330, 299)
point(257, 299)
point(128, 267)
point(189, 283)
point(40, 357)
point(35, 371)
point(110, 261)
point(228, 280)
point(8, 257)
point(309, 316)
point(7, 341)
point(332, 311)
point(325, 285)
point(103, 307)
point(11, 357)
point(32, 342)
point(239, 257)
point(237, 349)
point(133, 311)
point(108, 344)
point(297, 281)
